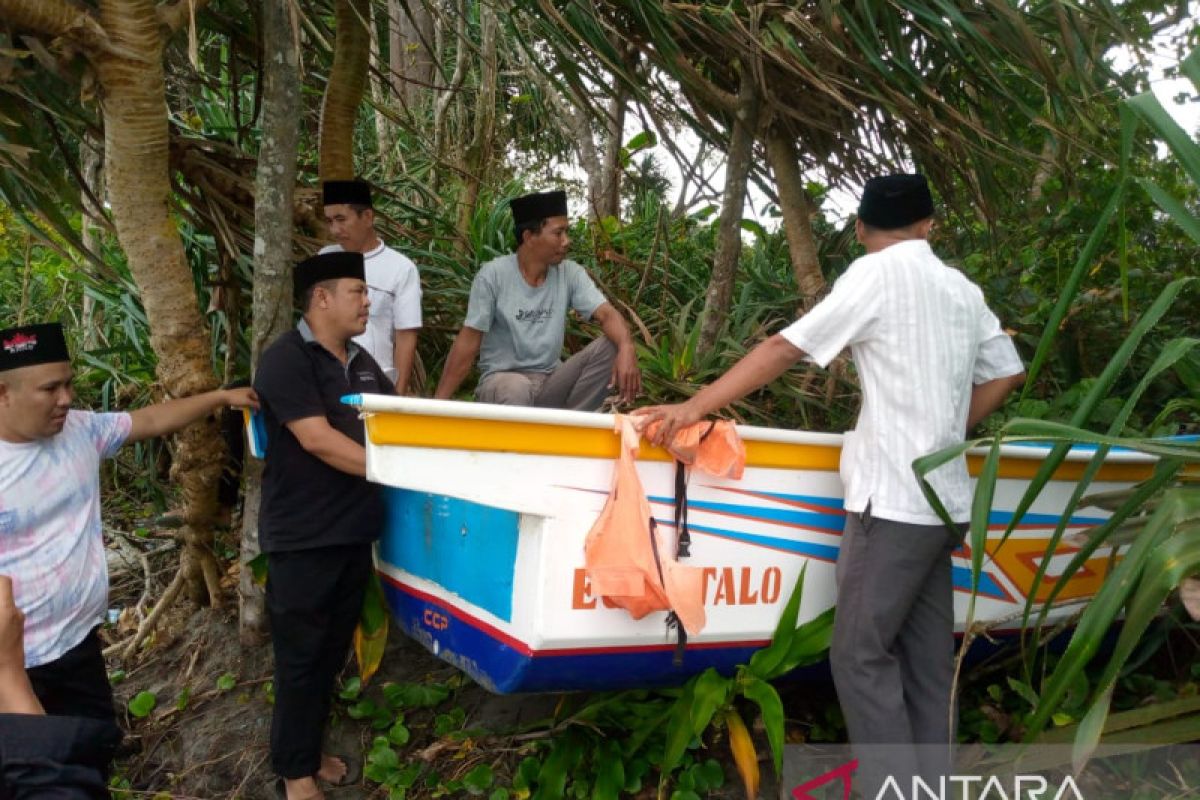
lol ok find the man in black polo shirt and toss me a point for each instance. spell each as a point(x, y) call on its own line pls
point(319, 514)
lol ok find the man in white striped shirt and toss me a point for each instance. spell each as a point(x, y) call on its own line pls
point(933, 361)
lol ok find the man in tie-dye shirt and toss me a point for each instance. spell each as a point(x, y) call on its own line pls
point(50, 533)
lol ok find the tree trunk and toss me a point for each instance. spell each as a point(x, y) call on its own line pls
point(272, 301)
point(139, 192)
point(411, 51)
point(381, 95)
point(608, 203)
point(450, 93)
point(797, 211)
point(91, 166)
point(576, 121)
point(479, 152)
point(344, 91)
point(609, 200)
point(729, 231)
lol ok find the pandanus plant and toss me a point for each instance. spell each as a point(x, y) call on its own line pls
point(1154, 528)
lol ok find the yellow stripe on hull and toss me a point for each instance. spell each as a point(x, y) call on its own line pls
point(533, 438)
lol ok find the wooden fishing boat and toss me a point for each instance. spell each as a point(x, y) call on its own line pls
point(488, 506)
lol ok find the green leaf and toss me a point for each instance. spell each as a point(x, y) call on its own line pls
point(563, 758)
point(362, 709)
point(415, 695)
point(610, 771)
point(679, 730)
point(1025, 691)
point(142, 704)
point(809, 644)
point(711, 693)
point(258, 569)
point(226, 682)
point(351, 689)
point(444, 724)
point(765, 663)
point(1176, 210)
point(1151, 112)
point(479, 779)
point(641, 141)
point(398, 734)
point(181, 702)
point(714, 775)
point(771, 707)
point(499, 793)
point(375, 610)
point(755, 227)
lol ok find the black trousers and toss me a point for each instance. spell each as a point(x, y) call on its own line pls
point(76, 683)
point(55, 758)
point(314, 599)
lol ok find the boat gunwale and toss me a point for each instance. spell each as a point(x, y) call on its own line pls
point(1029, 450)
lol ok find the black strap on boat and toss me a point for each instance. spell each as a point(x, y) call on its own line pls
point(672, 617)
point(683, 541)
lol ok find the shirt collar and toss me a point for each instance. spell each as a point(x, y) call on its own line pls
point(307, 335)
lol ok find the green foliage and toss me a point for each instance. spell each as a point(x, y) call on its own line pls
point(142, 704)
point(1159, 519)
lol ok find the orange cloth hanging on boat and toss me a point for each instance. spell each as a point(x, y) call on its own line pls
point(631, 561)
point(713, 447)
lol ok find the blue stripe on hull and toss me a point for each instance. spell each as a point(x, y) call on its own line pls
point(467, 548)
point(502, 668)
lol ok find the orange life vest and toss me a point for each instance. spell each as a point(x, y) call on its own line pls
point(630, 560)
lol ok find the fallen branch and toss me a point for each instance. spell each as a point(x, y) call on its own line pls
point(127, 649)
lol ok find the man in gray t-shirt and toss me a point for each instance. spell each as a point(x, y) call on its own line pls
point(517, 315)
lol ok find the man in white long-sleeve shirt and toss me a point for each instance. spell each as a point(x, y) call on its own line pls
point(933, 361)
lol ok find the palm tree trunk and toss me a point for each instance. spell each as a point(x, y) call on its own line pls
point(797, 215)
point(729, 232)
point(344, 91)
point(139, 191)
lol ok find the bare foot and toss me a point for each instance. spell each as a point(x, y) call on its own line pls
point(303, 789)
point(333, 769)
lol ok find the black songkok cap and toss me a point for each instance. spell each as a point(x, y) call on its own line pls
point(355, 192)
point(895, 201)
point(327, 267)
point(27, 345)
point(537, 207)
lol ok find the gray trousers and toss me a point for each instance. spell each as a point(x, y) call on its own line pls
point(893, 645)
point(580, 383)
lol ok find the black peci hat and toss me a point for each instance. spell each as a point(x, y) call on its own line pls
point(538, 206)
point(355, 192)
point(27, 345)
point(327, 267)
point(895, 201)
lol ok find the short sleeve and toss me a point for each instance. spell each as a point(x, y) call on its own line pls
point(844, 317)
point(285, 383)
point(482, 303)
point(585, 298)
point(997, 356)
point(109, 431)
point(406, 311)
